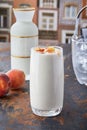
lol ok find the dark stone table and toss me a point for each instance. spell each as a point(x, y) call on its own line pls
point(15, 110)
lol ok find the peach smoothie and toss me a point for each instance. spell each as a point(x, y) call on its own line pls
point(46, 80)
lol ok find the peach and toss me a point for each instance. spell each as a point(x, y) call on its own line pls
point(5, 84)
point(17, 78)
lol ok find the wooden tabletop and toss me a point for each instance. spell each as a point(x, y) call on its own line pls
point(15, 110)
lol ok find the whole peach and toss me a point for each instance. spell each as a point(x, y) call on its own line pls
point(5, 84)
point(17, 78)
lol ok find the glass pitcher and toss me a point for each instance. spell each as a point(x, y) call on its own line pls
point(79, 51)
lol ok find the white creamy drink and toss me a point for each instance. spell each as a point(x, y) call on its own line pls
point(46, 80)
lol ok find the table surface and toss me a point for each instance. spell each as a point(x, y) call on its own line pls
point(15, 110)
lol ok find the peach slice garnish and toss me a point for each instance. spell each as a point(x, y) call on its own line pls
point(50, 49)
point(40, 49)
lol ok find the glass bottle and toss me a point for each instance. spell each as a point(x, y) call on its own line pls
point(24, 36)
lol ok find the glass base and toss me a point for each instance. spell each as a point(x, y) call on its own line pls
point(82, 81)
point(46, 113)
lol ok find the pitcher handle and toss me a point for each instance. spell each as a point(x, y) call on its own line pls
point(77, 20)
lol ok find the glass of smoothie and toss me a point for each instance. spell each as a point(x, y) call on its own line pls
point(46, 80)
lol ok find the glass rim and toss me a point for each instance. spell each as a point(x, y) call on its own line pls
point(24, 9)
point(43, 46)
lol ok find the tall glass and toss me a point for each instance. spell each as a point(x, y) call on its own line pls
point(46, 81)
point(79, 59)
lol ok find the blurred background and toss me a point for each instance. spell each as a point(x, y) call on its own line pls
point(55, 18)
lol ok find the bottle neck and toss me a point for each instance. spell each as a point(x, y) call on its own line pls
point(23, 20)
point(24, 16)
